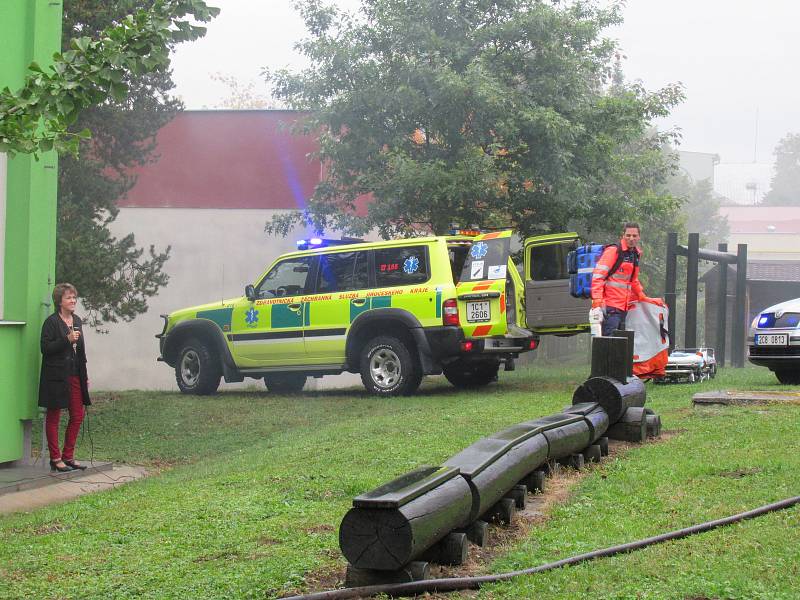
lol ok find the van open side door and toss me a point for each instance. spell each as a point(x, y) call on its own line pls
point(549, 307)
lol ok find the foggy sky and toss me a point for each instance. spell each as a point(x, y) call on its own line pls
point(736, 60)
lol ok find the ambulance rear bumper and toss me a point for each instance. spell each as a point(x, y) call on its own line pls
point(448, 343)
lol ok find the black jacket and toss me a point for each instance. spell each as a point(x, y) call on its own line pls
point(57, 363)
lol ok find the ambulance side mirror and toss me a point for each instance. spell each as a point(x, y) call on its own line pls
point(250, 292)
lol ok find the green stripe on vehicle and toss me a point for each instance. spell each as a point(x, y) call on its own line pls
point(220, 316)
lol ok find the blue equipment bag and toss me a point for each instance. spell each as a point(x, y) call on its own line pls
point(580, 265)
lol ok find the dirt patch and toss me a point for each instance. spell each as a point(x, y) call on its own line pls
point(739, 473)
point(320, 529)
point(50, 528)
point(267, 541)
point(221, 555)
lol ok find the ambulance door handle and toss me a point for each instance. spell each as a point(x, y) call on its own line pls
point(359, 302)
point(295, 307)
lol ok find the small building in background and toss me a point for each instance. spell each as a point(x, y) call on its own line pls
point(219, 177)
point(772, 235)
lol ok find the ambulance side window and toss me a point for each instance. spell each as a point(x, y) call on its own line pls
point(401, 266)
point(549, 262)
point(342, 271)
point(287, 278)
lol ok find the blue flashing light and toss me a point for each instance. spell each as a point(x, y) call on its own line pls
point(301, 242)
point(315, 242)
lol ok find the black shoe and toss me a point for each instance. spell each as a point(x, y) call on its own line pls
point(71, 464)
point(55, 467)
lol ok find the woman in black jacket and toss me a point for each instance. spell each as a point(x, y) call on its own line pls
point(63, 382)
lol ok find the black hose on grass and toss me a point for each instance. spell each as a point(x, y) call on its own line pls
point(453, 584)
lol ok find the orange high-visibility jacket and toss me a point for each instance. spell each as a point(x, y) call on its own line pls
point(621, 288)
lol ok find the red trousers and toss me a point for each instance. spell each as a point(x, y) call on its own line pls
point(53, 418)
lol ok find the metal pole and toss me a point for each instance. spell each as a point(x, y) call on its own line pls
point(670, 285)
point(692, 267)
point(722, 307)
point(739, 315)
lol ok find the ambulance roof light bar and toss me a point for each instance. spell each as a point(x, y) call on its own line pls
point(471, 231)
point(317, 242)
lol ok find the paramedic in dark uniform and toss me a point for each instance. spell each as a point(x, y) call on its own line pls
point(614, 291)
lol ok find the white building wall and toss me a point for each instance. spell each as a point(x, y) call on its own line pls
point(215, 253)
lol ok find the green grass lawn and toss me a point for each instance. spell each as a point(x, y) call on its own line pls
point(251, 487)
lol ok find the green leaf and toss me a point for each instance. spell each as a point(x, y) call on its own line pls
point(119, 91)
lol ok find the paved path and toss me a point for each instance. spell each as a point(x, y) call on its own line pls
point(739, 397)
point(27, 488)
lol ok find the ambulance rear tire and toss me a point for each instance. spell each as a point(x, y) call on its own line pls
point(388, 367)
point(285, 383)
point(198, 370)
point(475, 375)
point(788, 376)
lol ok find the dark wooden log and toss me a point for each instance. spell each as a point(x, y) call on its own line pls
point(576, 461)
point(519, 494)
point(592, 454)
point(653, 425)
point(629, 335)
point(568, 439)
point(494, 465)
point(594, 415)
point(477, 532)
point(502, 512)
point(603, 443)
point(632, 427)
point(551, 467)
point(535, 481)
point(451, 550)
point(395, 523)
point(610, 357)
point(614, 396)
point(414, 571)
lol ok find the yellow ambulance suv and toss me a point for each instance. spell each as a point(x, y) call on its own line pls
point(392, 311)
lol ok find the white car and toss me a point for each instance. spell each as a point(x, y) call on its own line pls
point(691, 364)
point(774, 340)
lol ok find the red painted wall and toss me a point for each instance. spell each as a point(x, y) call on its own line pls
point(228, 159)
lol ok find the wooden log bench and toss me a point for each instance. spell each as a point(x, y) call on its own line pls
point(632, 427)
point(614, 396)
point(395, 523)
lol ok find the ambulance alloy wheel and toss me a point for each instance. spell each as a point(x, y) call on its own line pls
point(388, 368)
point(285, 383)
point(198, 370)
point(465, 375)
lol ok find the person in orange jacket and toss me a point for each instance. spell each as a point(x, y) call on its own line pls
point(615, 290)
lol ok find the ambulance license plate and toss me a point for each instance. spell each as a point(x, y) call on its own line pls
point(772, 339)
point(478, 312)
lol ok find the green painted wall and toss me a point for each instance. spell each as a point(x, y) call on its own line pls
point(29, 30)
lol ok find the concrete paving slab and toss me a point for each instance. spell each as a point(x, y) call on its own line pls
point(727, 397)
point(26, 477)
point(42, 487)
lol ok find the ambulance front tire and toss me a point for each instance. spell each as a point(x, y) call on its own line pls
point(285, 383)
point(388, 367)
point(466, 375)
point(198, 370)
